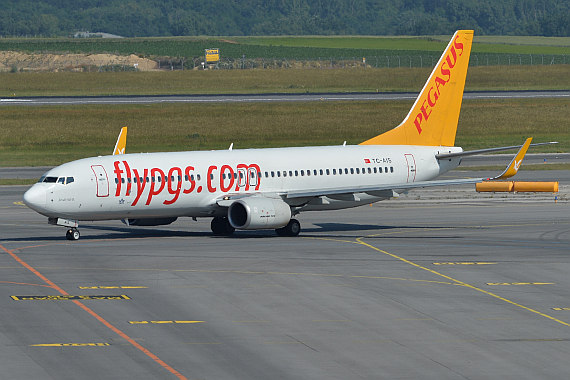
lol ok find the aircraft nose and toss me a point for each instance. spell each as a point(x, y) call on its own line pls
point(35, 198)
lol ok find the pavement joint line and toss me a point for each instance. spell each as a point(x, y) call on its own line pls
point(460, 282)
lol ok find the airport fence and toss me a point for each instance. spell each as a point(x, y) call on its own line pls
point(387, 61)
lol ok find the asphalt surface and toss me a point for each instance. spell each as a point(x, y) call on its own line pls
point(465, 286)
point(144, 99)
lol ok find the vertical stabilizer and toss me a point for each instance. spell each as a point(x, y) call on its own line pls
point(432, 120)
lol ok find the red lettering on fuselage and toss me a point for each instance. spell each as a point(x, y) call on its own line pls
point(154, 180)
point(189, 177)
point(210, 178)
point(128, 170)
point(118, 173)
point(172, 181)
point(141, 183)
point(231, 178)
point(174, 191)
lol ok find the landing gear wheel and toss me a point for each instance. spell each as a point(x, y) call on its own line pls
point(291, 229)
point(72, 234)
point(221, 226)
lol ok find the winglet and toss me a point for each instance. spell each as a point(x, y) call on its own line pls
point(516, 162)
point(121, 142)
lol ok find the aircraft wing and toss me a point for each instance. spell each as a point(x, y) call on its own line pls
point(391, 186)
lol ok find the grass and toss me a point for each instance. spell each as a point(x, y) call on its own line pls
point(16, 182)
point(279, 47)
point(53, 135)
point(482, 44)
point(272, 81)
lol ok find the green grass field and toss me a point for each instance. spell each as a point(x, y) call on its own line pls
point(272, 81)
point(279, 47)
point(53, 135)
point(482, 44)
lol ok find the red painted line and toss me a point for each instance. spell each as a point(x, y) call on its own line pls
point(95, 315)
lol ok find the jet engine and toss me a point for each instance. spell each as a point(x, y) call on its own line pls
point(258, 212)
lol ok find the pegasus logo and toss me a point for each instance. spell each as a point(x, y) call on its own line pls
point(442, 77)
point(120, 151)
point(518, 165)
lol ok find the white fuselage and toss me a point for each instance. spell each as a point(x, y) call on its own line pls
point(152, 185)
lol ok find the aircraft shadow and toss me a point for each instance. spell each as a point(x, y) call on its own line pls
point(323, 230)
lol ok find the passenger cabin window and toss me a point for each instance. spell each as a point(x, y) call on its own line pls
point(391, 169)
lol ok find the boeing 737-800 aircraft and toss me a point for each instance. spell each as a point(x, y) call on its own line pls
point(265, 188)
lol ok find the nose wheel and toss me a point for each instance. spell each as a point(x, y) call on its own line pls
point(72, 234)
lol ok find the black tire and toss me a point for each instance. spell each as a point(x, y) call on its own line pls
point(72, 234)
point(221, 226)
point(293, 228)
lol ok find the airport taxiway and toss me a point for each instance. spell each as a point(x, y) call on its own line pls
point(409, 288)
point(264, 98)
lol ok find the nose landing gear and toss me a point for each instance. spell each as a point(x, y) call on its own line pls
point(72, 234)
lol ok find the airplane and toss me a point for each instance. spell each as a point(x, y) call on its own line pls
point(251, 189)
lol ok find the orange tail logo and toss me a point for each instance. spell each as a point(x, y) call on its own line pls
point(432, 120)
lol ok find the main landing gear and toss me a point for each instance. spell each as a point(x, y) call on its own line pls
point(72, 234)
point(291, 229)
point(221, 226)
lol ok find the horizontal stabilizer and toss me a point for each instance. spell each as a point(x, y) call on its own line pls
point(488, 150)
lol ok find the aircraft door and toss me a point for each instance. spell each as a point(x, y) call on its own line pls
point(102, 180)
point(411, 162)
point(242, 177)
point(252, 174)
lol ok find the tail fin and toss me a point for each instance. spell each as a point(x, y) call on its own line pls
point(121, 142)
point(432, 120)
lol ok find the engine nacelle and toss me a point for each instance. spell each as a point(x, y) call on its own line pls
point(255, 213)
point(151, 221)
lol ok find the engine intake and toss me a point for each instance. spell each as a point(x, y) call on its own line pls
point(255, 213)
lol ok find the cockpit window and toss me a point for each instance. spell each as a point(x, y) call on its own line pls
point(61, 180)
point(69, 180)
point(42, 179)
point(50, 179)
